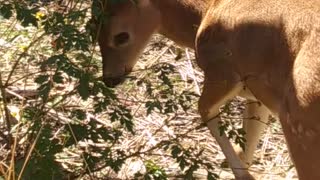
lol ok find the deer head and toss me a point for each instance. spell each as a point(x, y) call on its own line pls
point(122, 34)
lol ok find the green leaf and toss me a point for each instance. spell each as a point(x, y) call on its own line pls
point(44, 90)
point(83, 87)
point(79, 114)
point(123, 115)
point(154, 171)
point(182, 163)
point(41, 79)
point(175, 151)
point(58, 78)
point(80, 132)
point(90, 160)
point(6, 10)
point(25, 15)
point(152, 105)
point(191, 170)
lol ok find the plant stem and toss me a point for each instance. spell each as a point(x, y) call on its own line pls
point(6, 111)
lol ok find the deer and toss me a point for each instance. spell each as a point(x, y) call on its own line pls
point(265, 50)
point(133, 34)
point(270, 47)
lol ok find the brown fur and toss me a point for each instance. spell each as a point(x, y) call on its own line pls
point(275, 47)
point(269, 48)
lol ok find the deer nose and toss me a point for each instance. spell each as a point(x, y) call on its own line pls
point(113, 81)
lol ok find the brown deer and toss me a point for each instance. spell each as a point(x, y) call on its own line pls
point(129, 29)
point(272, 48)
point(259, 49)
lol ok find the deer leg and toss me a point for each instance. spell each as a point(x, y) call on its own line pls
point(222, 82)
point(216, 93)
point(255, 119)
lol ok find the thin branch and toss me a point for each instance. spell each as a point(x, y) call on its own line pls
point(6, 111)
point(20, 58)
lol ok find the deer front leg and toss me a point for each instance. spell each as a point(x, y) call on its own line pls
point(216, 93)
point(255, 119)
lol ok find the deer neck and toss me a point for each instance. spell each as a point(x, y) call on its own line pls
point(180, 19)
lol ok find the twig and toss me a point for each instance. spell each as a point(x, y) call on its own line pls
point(193, 75)
point(6, 111)
point(23, 77)
point(20, 58)
point(30, 151)
point(159, 56)
point(14, 94)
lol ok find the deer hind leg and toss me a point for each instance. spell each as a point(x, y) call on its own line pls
point(255, 119)
point(300, 111)
point(301, 126)
point(216, 92)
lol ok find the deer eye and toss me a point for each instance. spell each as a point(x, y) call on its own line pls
point(121, 39)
